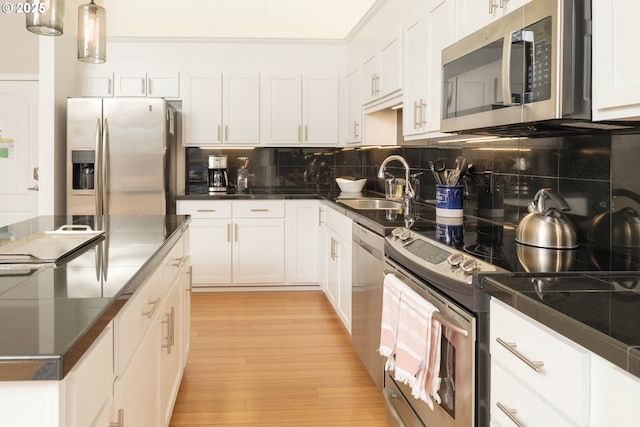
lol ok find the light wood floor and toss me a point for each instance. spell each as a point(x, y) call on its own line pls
point(261, 359)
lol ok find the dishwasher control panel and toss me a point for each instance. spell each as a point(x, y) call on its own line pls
point(436, 257)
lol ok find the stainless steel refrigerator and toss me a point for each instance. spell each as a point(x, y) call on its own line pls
point(120, 156)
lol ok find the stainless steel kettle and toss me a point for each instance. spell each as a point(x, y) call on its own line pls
point(621, 228)
point(547, 227)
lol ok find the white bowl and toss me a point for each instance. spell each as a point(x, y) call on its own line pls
point(351, 186)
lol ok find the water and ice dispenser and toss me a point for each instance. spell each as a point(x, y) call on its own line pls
point(82, 165)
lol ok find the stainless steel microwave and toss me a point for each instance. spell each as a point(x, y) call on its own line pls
point(526, 73)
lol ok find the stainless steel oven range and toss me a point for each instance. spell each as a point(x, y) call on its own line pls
point(444, 276)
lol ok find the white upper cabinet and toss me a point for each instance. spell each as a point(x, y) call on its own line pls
point(241, 108)
point(382, 71)
point(415, 77)
point(321, 109)
point(299, 109)
point(221, 109)
point(424, 39)
point(95, 83)
point(615, 80)
point(440, 34)
point(471, 15)
point(354, 107)
point(129, 83)
point(202, 109)
point(156, 84)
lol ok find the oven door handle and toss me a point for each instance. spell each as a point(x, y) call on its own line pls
point(389, 396)
point(445, 321)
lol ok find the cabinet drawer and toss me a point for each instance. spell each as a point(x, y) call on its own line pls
point(509, 395)
point(564, 376)
point(135, 318)
point(171, 264)
point(258, 209)
point(204, 208)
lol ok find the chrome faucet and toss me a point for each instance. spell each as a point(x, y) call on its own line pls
point(409, 194)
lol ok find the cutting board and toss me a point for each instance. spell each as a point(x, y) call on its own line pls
point(48, 246)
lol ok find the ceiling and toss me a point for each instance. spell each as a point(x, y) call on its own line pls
point(272, 19)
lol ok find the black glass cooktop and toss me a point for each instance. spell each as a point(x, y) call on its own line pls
point(495, 243)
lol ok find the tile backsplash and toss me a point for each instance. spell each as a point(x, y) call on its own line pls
point(582, 169)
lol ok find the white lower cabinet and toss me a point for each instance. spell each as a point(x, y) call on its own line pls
point(544, 363)
point(136, 387)
point(90, 384)
point(149, 347)
point(245, 242)
point(302, 241)
point(171, 362)
point(614, 400)
point(551, 372)
point(338, 247)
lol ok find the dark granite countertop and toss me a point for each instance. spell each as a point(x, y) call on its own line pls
point(598, 310)
point(49, 316)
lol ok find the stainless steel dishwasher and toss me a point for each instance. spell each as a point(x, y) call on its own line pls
point(366, 303)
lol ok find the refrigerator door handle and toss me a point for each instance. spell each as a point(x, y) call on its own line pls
point(104, 165)
point(98, 170)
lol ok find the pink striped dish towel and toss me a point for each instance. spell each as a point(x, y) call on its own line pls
point(391, 292)
point(417, 351)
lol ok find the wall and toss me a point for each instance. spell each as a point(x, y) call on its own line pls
point(19, 49)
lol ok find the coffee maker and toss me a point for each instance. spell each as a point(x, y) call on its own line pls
point(217, 177)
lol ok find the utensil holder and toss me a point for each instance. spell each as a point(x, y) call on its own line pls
point(449, 200)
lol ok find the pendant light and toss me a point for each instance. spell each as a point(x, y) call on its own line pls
point(45, 17)
point(92, 33)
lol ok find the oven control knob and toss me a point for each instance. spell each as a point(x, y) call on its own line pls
point(405, 235)
point(455, 259)
point(397, 231)
point(469, 265)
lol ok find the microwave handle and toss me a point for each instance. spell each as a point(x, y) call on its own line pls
point(506, 69)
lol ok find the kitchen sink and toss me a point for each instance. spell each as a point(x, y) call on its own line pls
point(371, 204)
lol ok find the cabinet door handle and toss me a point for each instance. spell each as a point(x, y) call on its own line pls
point(416, 108)
point(423, 115)
point(120, 422)
point(491, 5)
point(536, 366)
point(109, 86)
point(170, 320)
point(205, 210)
point(219, 133)
point(154, 306)
point(259, 210)
point(149, 92)
point(189, 273)
point(355, 128)
point(319, 216)
point(235, 234)
point(373, 85)
point(143, 86)
point(511, 413)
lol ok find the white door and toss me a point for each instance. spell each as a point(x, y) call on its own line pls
point(18, 151)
